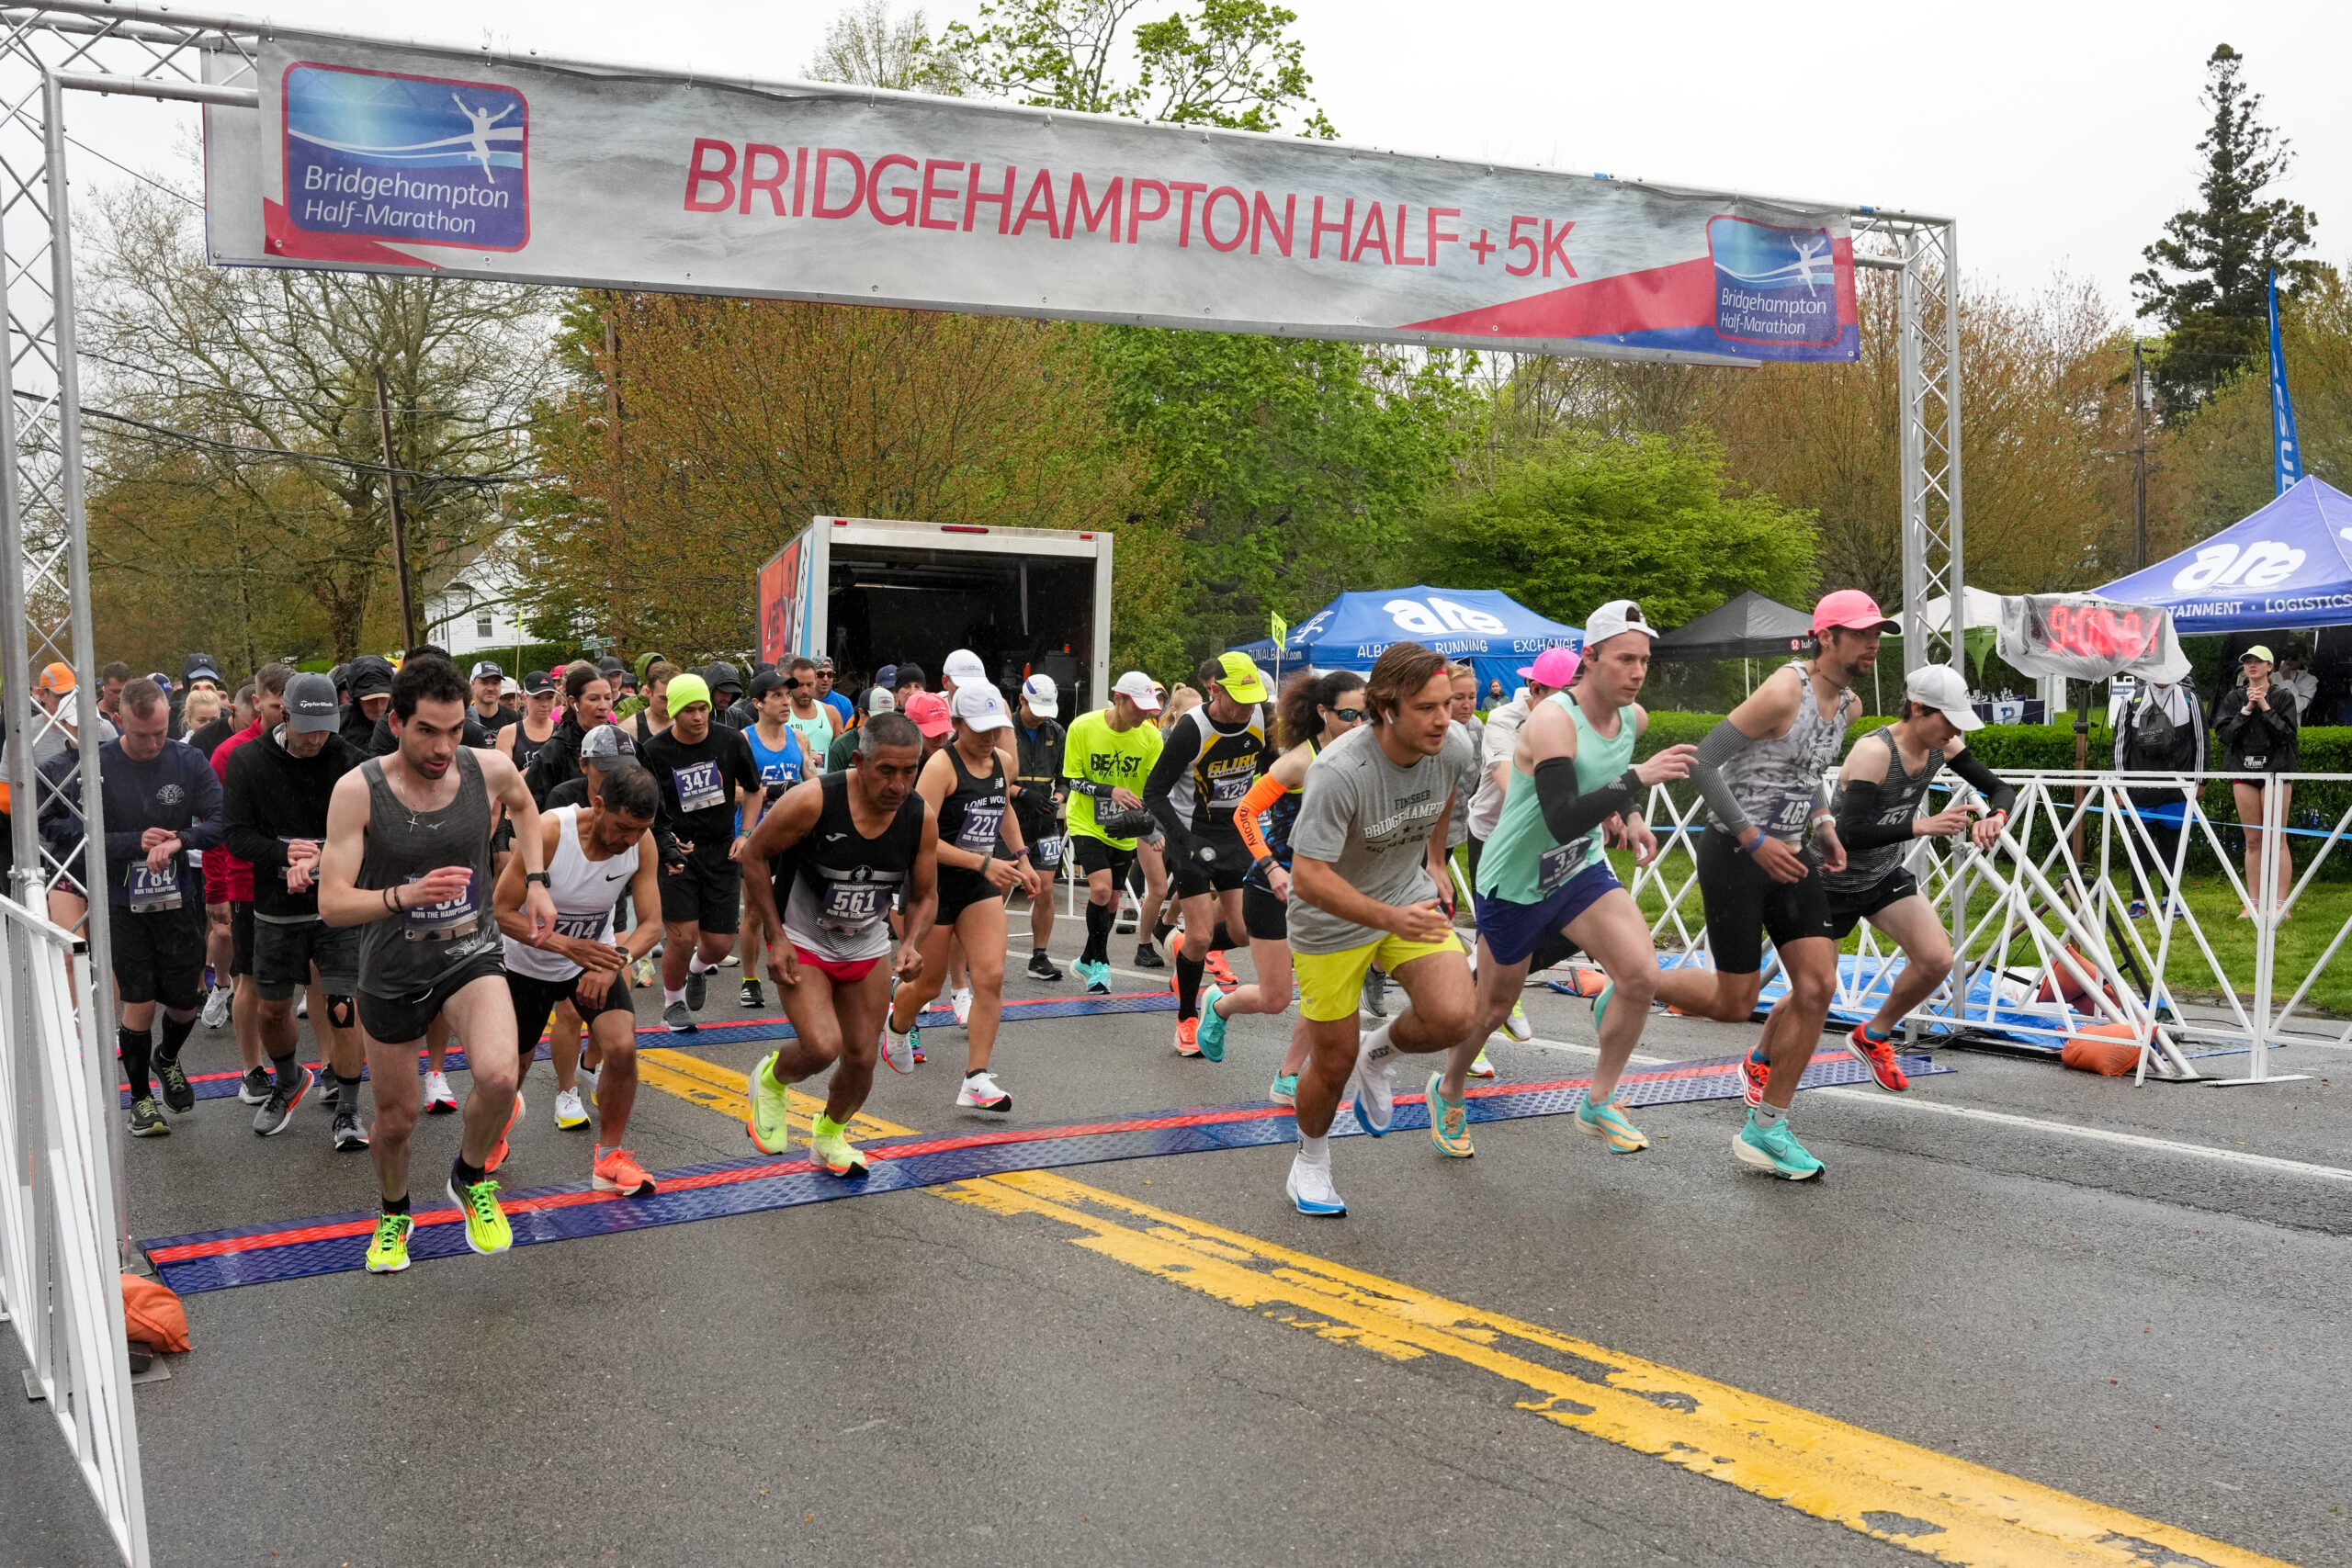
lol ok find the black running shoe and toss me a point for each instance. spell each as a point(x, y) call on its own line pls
point(753, 998)
point(147, 1120)
point(1041, 966)
point(178, 1093)
point(277, 1113)
point(255, 1090)
point(1147, 957)
point(1125, 926)
point(697, 987)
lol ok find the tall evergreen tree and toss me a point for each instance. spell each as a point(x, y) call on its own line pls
point(2206, 278)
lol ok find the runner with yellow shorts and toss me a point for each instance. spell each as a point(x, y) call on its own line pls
point(1369, 883)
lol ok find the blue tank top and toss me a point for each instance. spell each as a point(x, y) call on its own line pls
point(779, 769)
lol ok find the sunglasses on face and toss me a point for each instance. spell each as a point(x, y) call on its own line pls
point(1348, 715)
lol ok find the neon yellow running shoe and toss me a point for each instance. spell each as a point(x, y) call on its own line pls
point(770, 1100)
point(1449, 1121)
point(388, 1253)
point(829, 1145)
point(1608, 1123)
point(487, 1231)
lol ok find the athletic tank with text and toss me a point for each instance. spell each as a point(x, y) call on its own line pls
point(1522, 862)
point(1776, 781)
point(971, 818)
point(1899, 798)
point(1220, 764)
point(408, 953)
point(584, 892)
point(841, 882)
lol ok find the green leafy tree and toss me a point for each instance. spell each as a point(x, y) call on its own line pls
point(1586, 519)
point(867, 47)
point(2208, 278)
point(1227, 62)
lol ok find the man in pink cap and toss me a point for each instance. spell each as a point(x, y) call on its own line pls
point(1771, 833)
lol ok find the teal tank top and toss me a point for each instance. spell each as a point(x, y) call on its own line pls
point(1522, 862)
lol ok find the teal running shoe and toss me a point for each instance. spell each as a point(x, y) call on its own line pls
point(1600, 1004)
point(1449, 1120)
point(1605, 1121)
point(1211, 1035)
point(1096, 976)
point(1285, 1090)
point(1775, 1149)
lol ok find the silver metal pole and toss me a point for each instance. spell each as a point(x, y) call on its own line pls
point(1914, 459)
point(1955, 579)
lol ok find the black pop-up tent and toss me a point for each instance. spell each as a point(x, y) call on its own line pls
point(1750, 627)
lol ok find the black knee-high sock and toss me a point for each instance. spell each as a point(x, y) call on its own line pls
point(136, 1050)
point(1222, 939)
point(175, 1033)
point(1099, 918)
point(1189, 970)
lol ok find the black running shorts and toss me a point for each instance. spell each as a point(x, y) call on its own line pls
point(159, 955)
point(707, 891)
point(396, 1020)
point(1848, 910)
point(1744, 905)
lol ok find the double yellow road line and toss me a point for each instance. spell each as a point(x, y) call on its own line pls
point(1927, 1502)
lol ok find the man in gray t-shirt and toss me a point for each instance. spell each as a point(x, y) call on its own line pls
point(1368, 883)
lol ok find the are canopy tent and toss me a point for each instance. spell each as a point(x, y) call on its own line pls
point(1484, 627)
point(2288, 565)
point(1749, 627)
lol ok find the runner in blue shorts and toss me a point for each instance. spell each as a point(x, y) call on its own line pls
point(1544, 885)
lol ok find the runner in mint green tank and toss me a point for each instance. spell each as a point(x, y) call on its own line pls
point(1545, 887)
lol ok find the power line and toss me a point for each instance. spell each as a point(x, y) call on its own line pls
point(134, 174)
point(259, 397)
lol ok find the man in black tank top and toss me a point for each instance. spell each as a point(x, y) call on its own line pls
point(407, 858)
point(966, 788)
point(850, 840)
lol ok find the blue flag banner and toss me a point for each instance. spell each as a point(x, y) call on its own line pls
point(2287, 452)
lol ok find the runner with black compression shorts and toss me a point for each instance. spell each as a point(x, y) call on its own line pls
point(1880, 799)
point(968, 793)
point(850, 842)
point(1545, 886)
point(1315, 711)
point(1369, 885)
point(407, 860)
point(1770, 836)
point(592, 852)
point(708, 786)
point(1106, 757)
point(1211, 756)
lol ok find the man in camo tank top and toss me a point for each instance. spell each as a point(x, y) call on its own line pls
point(407, 860)
point(1770, 835)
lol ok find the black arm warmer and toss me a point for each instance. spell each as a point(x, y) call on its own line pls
point(1090, 788)
point(1568, 816)
point(1859, 806)
point(1999, 796)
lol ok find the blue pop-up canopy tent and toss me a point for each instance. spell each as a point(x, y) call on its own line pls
point(2288, 565)
point(1494, 632)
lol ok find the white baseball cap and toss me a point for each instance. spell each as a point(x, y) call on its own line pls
point(964, 666)
point(1045, 698)
point(1619, 615)
point(982, 706)
point(1939, 686)
point(1136, 685)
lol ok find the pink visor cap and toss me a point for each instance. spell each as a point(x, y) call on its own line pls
point(1853, 610)
point(1554, 667)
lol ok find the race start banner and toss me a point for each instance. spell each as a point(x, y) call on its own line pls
point(371, 157)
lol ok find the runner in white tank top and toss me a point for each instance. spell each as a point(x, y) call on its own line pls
point(593, 853)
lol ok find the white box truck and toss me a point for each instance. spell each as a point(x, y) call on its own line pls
point(870, 592)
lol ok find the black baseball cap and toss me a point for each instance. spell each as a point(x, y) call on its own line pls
point(723, 676)
point(912, 675)
point(487, 667)
point(767, 680)
point(537, 683)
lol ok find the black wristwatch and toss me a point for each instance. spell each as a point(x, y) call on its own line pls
point(538, 876)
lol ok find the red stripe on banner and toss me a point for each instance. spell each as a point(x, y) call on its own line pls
point(280, 238)
point(1681, 295)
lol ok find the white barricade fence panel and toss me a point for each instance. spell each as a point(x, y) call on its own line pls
point(60, 1285)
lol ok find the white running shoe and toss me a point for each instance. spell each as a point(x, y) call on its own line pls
point(216, 1009)
point(961, 1001)
point(980, 1092)
point(302, 1004)
point(1310, 1187)
point(898, 1050)
point(439, 1099)
point(568, 1111)
point(1517, 1026)
point(1375, 1088)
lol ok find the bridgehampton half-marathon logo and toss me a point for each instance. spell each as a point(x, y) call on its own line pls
point(1773, 285)
point(419, 159)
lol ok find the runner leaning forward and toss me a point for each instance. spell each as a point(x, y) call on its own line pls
point(1772, 835)
point(708, 786)
point(1881, 791)
point(1546, 888)
point(592, 853)
point(968, 791)
point(1369, 885)
point(856, 840)
point(407, 858)
point(1106, 757)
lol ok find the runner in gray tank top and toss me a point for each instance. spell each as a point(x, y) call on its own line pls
point(1770, 836)
point(1880, 794)
point(407, 858)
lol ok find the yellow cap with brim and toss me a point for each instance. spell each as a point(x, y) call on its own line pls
point(686, 690)
point(2258, 650)
point(1241, 678)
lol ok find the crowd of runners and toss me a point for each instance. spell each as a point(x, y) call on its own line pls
point(419, 859)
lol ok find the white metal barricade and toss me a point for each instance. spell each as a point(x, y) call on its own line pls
point(2045, 948)
point(58, 1283)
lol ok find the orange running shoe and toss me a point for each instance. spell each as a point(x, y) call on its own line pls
point(1878, 1055)
point(1188, 1041)
point(1221, 972)
point(618, 1171)
point(498, 1154)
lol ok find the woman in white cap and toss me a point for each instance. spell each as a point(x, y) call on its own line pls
point(2261, 736)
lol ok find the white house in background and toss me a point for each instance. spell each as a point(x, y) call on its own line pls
point(474, 612)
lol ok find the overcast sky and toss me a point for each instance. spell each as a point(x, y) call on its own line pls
point(2061, 134)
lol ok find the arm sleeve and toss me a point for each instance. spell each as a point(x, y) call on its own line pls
point(1722, 744)
point(1174, 757)
point(1568, 816)
point(1859, 827)
point(1261, 797)
point(1972, 770)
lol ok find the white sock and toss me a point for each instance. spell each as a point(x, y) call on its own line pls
point(1375, 1040)
point(695, 965)
point(669, 998)
point(1315, 1151)
point(1767, 1116)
